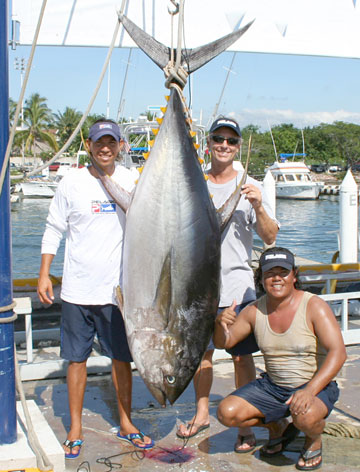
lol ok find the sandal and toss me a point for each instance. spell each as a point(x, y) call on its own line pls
point(249, 438)
point(71, 444)
point(307, 455)
point(289, 434)
point(194, 428)
point(132, 439)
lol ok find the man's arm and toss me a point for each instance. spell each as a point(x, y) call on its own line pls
point(45, 288)
point(230, 329)
point(266, 227)
point(327, 330)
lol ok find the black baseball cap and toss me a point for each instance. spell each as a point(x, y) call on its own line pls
point(103, 128)
point(278, 257)
point(227, 123)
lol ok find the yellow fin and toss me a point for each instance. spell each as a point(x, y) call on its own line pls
point(206, 177)
point(192, 133)
point(146, 155)
point(155, 131)
point(196, 146)
point(167, 97)
point(201, 160)
point(136, 181)
point(140, 169)
point(211, 196)
point(159, 120)
point(163, 109)
point(151, 142)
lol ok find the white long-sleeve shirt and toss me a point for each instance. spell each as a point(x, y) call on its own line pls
point(94, 227)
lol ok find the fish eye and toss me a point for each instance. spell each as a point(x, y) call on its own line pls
point(170, 379)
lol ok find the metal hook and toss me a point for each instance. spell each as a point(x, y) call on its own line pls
point(176, 5)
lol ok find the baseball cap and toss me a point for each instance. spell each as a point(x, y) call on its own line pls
point(103, 128)
point(278, 257)
point(227, 123)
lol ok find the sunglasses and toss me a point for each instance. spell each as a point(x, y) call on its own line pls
point(220, 139)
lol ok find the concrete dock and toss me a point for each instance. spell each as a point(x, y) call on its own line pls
point(210, 451)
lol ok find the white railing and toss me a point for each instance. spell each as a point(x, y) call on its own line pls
point(56, 367)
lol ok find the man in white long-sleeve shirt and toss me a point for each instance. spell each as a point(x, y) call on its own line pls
point(94, 227)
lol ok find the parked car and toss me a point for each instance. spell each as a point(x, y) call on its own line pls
point(54, 166)
point(334, 168)
point(318, 168)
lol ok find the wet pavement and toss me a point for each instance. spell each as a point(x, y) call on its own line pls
point(211, 450)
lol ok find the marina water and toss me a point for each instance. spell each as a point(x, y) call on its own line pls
point(308, 228)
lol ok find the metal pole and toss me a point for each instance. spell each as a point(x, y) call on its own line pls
point(7, 368)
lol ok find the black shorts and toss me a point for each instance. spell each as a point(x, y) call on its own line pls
point(270, 398)
point(247, 345)
point(80, 324)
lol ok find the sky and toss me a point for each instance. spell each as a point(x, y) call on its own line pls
point(262, 89)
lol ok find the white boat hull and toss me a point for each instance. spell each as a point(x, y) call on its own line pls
point(300, 192)
point(38, 189)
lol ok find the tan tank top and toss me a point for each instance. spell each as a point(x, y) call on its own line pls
point(293, 357)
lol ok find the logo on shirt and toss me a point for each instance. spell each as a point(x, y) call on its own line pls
point(103, 207)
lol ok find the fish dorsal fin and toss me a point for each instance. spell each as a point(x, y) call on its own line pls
point(163, 295)
point(225, 212)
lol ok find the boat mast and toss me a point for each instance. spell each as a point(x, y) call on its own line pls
point(273, 141)
point(8, 433)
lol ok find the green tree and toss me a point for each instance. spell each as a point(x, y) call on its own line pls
point(37, 119)
point(65, 124)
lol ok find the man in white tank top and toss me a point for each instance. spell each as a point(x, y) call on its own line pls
point(303, 351)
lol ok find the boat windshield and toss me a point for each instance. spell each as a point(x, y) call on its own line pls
point(303, 177)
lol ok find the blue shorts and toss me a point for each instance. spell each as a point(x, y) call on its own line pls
point(270, 398)
point(80, 323)
point(247, 345)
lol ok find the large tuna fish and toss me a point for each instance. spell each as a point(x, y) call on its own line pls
point(172, 244)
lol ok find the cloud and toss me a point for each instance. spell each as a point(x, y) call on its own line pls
point(262, 116)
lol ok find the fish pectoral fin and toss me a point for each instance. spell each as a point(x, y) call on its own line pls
point(162, 300)
point(119, 298)
point(120, 196)
point(225, 212)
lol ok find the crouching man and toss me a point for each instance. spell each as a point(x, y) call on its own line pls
point(303, 351)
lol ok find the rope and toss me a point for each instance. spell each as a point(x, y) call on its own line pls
point(342, 430)
point(42, 461)
point(175, 72)
point(8, 319)
point(21, 97)
point(87, 111)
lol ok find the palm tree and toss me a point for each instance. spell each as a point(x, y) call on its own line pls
point(37, 118)
point(66, 123)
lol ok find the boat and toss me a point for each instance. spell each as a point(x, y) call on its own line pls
point(293, 179)
point(39, 188)
point(28, 288)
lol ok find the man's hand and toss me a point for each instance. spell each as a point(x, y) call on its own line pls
point(300, 402)
point(45, 289)
point(253, 194)
point(227, 317)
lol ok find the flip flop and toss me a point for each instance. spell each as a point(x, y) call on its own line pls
point(289, 434)
point(190, 426)
point(71, 444)
point(130, 438)
point(308, 455)
point(240, 441)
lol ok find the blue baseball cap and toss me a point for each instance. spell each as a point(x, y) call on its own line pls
point(103, 128)
point(223, 122)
